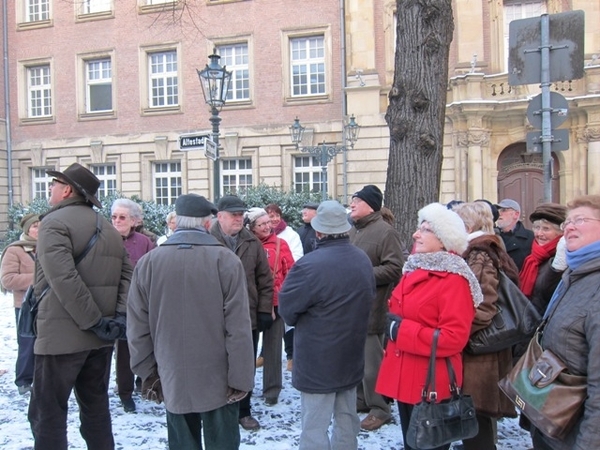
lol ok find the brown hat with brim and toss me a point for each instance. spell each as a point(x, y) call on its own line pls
point(82, 180)
point(552, 212)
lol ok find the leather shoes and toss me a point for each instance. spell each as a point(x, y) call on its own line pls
point(249, 423)
point(270, 401)
point(372, 423)
point(128, 404)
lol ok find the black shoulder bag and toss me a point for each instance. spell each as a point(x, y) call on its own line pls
point(26, 326)
point(435, 424)
point(516, 320)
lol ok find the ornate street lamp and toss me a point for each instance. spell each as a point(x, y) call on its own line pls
point(215, 81)
point(326, 152)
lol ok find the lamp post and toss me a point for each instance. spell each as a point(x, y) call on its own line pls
point(326, 152)
point(215, 81)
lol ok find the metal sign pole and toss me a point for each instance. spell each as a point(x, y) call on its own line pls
point(546, 107)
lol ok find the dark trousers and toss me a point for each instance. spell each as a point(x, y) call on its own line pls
point(405, 411)
point(245, 402)
point(125, 377)
point(25, 358)
point(55, 376)
point(220, 429)
point(288, 342)
point(485, 439)
point(271, 351)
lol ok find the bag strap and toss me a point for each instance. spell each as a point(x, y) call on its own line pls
point(430, 380)
point(91, 242)
point(276, 264)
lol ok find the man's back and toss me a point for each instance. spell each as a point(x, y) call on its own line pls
point(327, 295)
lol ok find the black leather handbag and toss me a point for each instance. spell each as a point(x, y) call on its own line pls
point(516, 320)
point(28, 314)
point(434, 424)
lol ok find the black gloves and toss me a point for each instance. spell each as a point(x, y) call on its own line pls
point(111, 329)
point(392, 325)
point(152, 388)
point(233, 395)
point(264, 321)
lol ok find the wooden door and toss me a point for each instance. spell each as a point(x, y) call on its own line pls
point(521, 178)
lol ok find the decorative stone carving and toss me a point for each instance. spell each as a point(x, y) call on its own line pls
point(468, 138)
point(161, 148)
point(37, 155)
point(96, 151)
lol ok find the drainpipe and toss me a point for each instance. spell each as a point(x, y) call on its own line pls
point(344, 100)
point(7, 103)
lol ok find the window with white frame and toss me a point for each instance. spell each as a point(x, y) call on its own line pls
point(307, 61)
point(167, 182)
point(95, 6)
point(163, 79)
point(39, 91)
point(40, 182)
point(520, 9)
point(308, 175)
point(98, 85)
point(107, 174)
point(236, 175)
point(159, 2)
point(37, 10)
point(235, 58)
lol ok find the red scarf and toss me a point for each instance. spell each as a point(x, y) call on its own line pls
point(529, 272)
point(280, 227)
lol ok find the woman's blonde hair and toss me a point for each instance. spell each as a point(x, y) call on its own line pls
point(477, 216)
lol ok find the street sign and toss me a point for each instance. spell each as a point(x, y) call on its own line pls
point(560, 141)
point(558, 115)
point(210, 149)
point(566, 38)
point(192, 141)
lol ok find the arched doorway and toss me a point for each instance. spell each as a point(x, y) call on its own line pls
point(521, 177)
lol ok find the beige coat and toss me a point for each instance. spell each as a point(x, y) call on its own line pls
point(187, 317)
point(18, 264)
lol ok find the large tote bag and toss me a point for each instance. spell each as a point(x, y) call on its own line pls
point(516, 320)
point(540, 386)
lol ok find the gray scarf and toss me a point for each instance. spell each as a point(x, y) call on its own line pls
point(445, 262)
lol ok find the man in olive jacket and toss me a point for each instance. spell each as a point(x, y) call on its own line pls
point(381, 243)
point(189, 331)
point(81, 312)
point(230, 231)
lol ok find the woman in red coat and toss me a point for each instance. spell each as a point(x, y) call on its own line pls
point(281, 261)
point(437, 291)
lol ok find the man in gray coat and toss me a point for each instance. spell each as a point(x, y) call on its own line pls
point(381, 243)
point(81, 280)
point(189, 331)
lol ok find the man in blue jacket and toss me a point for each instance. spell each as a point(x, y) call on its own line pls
point(327, 296)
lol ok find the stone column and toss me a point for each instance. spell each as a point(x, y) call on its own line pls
point(475, 140)
point(592, 134)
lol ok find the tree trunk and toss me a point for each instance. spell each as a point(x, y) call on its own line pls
point(416, 110)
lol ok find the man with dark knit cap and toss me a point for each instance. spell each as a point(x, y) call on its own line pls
point(189, 331)
point(381, 242)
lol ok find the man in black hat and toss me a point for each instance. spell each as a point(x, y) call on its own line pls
point(82, 311)
point(306, 232)
point(188, 291)
point(229, 230)
point(381, 242)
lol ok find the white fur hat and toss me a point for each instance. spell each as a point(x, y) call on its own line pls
point(446, 225)
point(254, 213)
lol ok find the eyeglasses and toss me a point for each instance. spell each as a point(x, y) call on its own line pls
point(115, 217)
point(423, 229)
point(576, 222)
point(264, 224)
point(56, 181)
point(543, 228)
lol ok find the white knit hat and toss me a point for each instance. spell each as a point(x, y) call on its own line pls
point(254, 213)
point(446, 225)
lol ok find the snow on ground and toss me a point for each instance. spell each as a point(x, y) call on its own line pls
point(147, 427)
